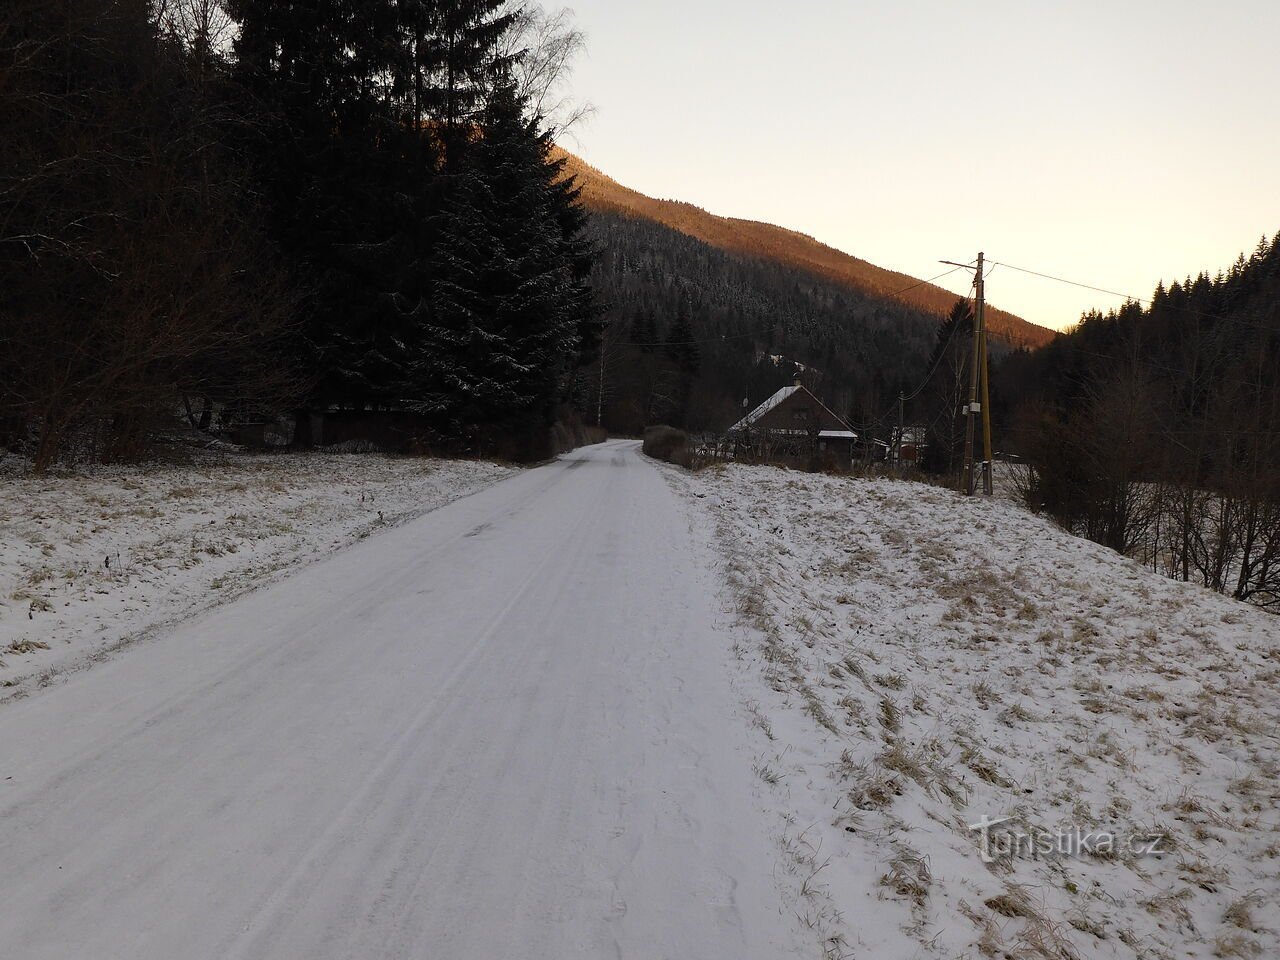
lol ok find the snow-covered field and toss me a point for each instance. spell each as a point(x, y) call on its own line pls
point(97, 558)
point(916, 662)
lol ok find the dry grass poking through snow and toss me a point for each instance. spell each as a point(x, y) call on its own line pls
point(919, 661)
point(88, 559)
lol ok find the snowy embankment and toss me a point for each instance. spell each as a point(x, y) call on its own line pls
point(95, 559)
point(916, 662)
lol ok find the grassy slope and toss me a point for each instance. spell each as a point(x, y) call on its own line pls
point(917, 661)
point(93, 558)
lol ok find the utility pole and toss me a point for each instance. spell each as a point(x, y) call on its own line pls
point(972, 408)
point(988, 465)
point(977, 386)
point(897, 445)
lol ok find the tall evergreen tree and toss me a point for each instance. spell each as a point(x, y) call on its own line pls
point(349, 180)
point(681, 349)
point(944, 395)
point(511, 305)
point(460, 56)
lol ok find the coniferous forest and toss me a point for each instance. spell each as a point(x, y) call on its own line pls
point(237, 213)
point(694, 330)
point(1156, 429)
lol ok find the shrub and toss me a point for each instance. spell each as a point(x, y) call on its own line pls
point(669, 444)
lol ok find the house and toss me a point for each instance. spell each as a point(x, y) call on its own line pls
point(795, 425)
point(911, 445)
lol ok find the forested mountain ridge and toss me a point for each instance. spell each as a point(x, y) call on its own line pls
point(789, 248)
point(706, 314)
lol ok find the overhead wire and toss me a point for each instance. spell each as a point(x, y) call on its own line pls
point(1132, 298)
point(942, 352)
point(763, 330)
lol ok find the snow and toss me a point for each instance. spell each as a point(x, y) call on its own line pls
point(579, 713)
point(777, 397)
point(94, 559)
point(507, 728)
point(915, 661)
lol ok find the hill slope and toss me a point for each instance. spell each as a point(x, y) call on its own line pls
point(1054, 694)
point(765, 241)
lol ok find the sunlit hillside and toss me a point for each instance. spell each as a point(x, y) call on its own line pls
point(787, 247)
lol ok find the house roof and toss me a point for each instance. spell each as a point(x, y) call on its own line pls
point(781, 395)
point(765, 407)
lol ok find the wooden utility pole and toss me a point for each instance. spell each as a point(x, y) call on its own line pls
point(978, 387)
point(988, 464)
point(971, 410)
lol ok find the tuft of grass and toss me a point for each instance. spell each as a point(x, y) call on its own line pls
point(874, 789)
point(909, 877)
point(22, 646)
point(1240, 913)
point(985, 694)
point(973, 758)
point(1236, 945)
point(1016, 713)
point(890, 715)
point(767, 773)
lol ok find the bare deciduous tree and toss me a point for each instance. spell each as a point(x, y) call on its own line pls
point(543, 47)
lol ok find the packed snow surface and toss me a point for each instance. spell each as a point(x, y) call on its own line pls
point(505, 729)
point(917, 662)
point(96, 558)
point(607, 708)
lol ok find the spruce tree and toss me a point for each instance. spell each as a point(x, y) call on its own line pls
point(348, 179)
point(681, 349)
point(944, 393)
point(459, 62)
point(510, 302)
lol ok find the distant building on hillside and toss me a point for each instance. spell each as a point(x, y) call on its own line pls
point(795, 426)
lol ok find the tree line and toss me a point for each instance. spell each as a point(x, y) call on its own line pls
point(1156, 429)
point(225, 211)
point(693, 331)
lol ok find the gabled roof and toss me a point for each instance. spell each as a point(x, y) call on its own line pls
point(765, 407)
point(777, 398)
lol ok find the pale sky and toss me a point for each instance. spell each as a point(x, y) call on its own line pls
point(1111, 143)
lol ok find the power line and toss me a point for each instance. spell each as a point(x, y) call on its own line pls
point(936, 364)
point(946, 273)
point(942, 353)
point(763, 330)
point(1141, 300)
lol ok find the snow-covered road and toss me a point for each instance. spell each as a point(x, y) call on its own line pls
point(504, 730)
